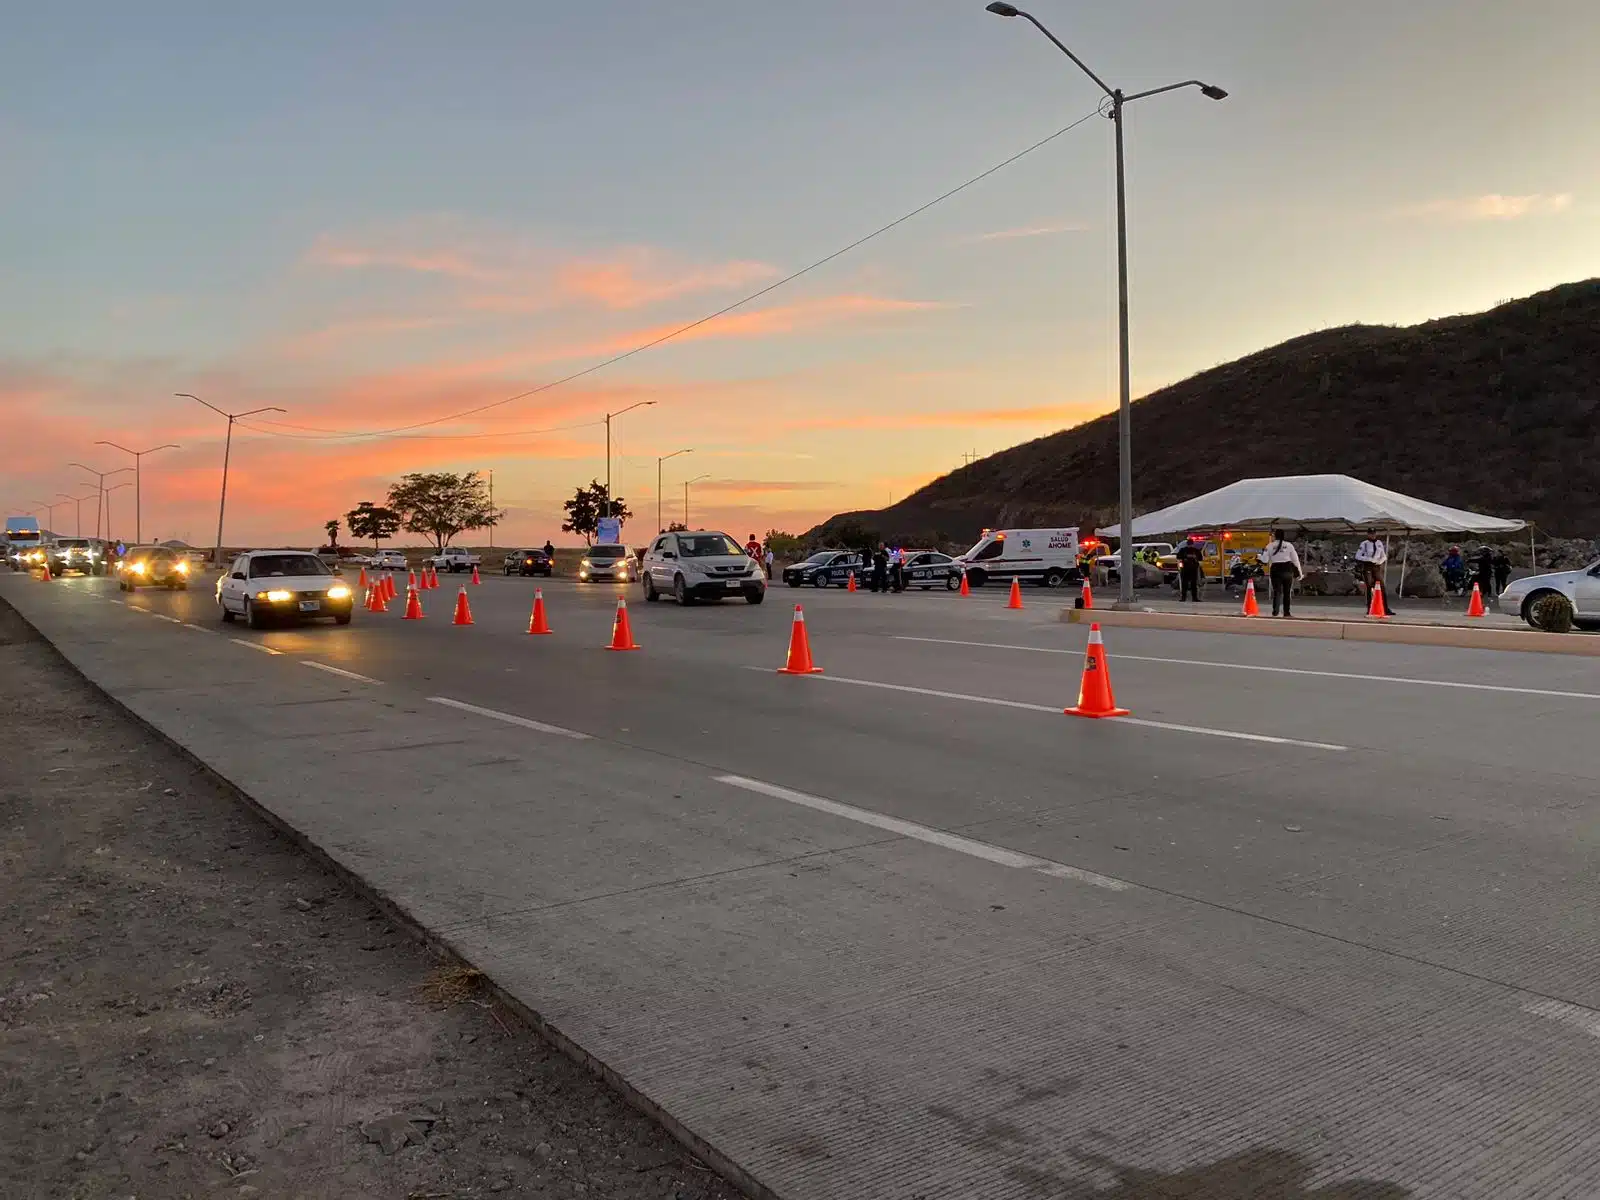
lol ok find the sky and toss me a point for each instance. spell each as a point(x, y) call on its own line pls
point(378, 216)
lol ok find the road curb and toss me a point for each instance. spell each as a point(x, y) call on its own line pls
point(438, 944)
point(1394, 633)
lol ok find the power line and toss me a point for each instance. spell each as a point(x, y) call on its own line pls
point(334, 435)
point(705, 320)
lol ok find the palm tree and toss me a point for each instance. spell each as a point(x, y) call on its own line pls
point(333, 533)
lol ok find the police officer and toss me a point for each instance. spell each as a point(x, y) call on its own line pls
point(880, 568)
point(1189, 556)
point(897, 570)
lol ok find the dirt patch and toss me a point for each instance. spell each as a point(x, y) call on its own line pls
point(189, 1007)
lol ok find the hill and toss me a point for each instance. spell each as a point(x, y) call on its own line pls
point(1497, 412)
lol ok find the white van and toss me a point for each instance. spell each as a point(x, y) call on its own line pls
point(1048, 557)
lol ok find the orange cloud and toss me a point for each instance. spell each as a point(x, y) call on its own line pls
point(756, 487)
point(636, 279)
point(1493, 207)
point(1029, 231)
point(328, 252)
point(1042, 414)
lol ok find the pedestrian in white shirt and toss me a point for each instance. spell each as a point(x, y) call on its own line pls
point(1282, 561)
point(769, 557)
point(1371, 558)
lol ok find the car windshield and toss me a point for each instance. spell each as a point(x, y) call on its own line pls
point(608, 550)
point(530, 553)
point(705, 545)
point(72, 543)
point(825, 556)
point(266, 566)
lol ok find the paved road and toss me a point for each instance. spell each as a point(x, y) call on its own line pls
point(1324, 915)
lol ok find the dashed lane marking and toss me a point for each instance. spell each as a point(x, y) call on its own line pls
point(340, 671)
point(510, 718)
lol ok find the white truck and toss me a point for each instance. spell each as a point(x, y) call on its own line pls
point(1048, 557)
point(455, 558)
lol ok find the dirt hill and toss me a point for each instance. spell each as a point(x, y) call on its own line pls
point(1497, 412)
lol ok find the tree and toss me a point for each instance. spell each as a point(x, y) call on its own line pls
point(369, 521)
point(442, 504)
point(785, 545)
point(333, 533)
point(586, 508)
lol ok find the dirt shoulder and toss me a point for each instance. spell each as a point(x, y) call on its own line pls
point(190, 1007)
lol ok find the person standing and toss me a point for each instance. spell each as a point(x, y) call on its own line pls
point(1502, 571)
point(1454, 570)
point(1189, 556)
point(1282, 561)
point(767, 562)
point(880, 568)
point(897, 570)
point(1372, 555)
point(1484, 565)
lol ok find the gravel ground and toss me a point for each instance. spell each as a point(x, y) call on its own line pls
point(190, 1007)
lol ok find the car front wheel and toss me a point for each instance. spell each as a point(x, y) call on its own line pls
point(227, 613)
point(254, 617)
point(650, 592)
point(756, 596)
point(680, 591)
point(1054, 577)
point(821, 579)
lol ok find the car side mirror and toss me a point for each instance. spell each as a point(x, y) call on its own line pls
point(237, 575)
point(668, 554)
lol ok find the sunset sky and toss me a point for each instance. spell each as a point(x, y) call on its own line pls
point(377, 214)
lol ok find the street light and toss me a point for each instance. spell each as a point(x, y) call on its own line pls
point(610, 503)
point(660, 528)
point(50, 514)
point(107, 495)
point(100, 488)
point(1125, 402)
point(227, 452)
point(78, 500)
point(686, 484)
point(138, 487)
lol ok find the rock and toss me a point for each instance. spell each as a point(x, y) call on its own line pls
point(302, 904)
point(544, 1150)
point(247, 1191)
point(169, 791)
point(396, 1130)
point(500, 1185)
point(220, 1129)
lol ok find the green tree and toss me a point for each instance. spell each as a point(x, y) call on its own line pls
point(333, 533)
point(785, 545)
point(586, 508)
point(441, 504)
point(372, 522)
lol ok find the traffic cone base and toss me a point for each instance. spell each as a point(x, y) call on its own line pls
point(475, 580)
point(413, 605)
point(799, 648)
point(1376, 608)
point(1016, 594)
point(622, 628)
point(1088, 595)
point(537, 622)
point(463, 609)
point(1095, 698)
point(1475, 608)
point(1250, 609)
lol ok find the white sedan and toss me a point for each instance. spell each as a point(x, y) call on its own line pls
point(1582, 587)
point(267, 585)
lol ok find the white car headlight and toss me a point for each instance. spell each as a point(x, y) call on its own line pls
point(275, 596)
point(338, 592)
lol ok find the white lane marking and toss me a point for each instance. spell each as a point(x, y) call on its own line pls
point(199, 628)
point(340, 671)
point(1585, 1019)
point(1201, 662)
point(255, 646)
point(510, 719)
point(1047, 708)
point(998, 855)
point(164, 617)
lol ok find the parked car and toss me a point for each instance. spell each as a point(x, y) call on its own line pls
point(154, 566)
point(266, 585)
point(87, 555)
point(1582, 587)
point(453, 559)
point(605, 563)
point(529, 562)
point(926, 569)
point(827, 568)
point(700, 566)
point(388, 560)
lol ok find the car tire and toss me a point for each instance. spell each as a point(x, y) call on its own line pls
point(952, 583)
point(1527, 605)
point(976, 579)
point(792, 582)
point(821, 579)
point(254, 617)
point(341, 618)
point(1054, 577)
point(755, 597)
point(227, 613)
point(680, 591)
point(650, 592)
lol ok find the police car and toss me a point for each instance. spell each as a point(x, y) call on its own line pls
point(928, 569)
point(827, 568)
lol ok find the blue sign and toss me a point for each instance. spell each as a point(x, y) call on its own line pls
point(608, 531)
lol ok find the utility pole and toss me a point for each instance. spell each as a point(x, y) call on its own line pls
point(660, 527)
point(138, 485)
point(227, 453)
point(686, 484)
point(100, 488)
point(610, 502)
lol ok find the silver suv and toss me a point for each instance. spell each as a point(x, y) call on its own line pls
point(700, 566)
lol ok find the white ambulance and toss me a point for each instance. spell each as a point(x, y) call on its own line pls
point(1048, 557)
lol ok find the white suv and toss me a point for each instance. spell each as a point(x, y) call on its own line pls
point(701, 566)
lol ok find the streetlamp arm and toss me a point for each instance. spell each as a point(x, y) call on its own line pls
point(1062, 46)
point(124, 449)
point(254, 411)
point(196, 399)
point(630, 408)
point(1214, 93)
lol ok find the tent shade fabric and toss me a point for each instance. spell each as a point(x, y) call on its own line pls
point(1315, 504)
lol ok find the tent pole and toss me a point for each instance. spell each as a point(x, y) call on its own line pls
point(1405, 556)
point(1533, 555)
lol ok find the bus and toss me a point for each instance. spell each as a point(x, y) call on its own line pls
point(23, 540)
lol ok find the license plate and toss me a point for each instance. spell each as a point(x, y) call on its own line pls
point(310, 605)
point(732, 583)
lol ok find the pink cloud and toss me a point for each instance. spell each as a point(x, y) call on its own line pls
point(1493, 207)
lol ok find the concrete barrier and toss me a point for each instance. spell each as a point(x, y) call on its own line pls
point(1394, 632)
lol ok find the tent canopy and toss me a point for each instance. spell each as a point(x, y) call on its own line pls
point(1316, 504)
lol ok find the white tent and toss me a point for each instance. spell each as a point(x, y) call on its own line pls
point(1334, 504)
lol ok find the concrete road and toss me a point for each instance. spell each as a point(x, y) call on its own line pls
point(1321, 912)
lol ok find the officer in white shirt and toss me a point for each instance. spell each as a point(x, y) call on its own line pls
point(1282, 561)
point(1371, 557)
point(897, 570)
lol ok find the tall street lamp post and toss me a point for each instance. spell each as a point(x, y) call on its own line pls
point(686, 484)
point(100, 488)
point(77, 500)
point(610, 500)
point(1118, 99)
point(50, 513)
point(660, 528)
point(227, 452)
point(107, 495)
point(138, 486)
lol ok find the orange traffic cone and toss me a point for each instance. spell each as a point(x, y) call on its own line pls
point(1088, 595)
point(621, 630)
point(1094, 693)
point(362, 582)
point(374, 599)
point(965, 590)
point(851, 585)
point(537, 622)
point(1250, 609)
point(1376, 608)
point(1475, 608)
point(433, 578)
point(411, 579)
point(463, 610)
point(390, 590)
point(475, 580)
point(413, 605)
point(45, 576)
point(799, 649)
point(1016, 594)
